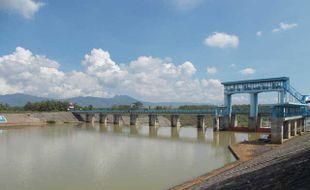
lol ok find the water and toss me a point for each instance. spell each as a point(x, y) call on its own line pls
point(97, 157)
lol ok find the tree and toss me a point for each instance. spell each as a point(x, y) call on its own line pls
point(137, 105)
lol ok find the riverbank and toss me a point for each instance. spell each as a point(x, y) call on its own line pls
point(40, 118)
point(261, 166)
point(37, 118)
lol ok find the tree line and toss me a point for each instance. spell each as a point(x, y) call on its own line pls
point(48, 105)
point(56, 105)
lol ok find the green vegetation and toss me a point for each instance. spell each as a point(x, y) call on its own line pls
point(8, 108)
point(136, 105)
point(44, 106)
point(49, 105)
point(196, 107)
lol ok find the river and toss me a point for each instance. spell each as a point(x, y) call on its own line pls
point(95, 157)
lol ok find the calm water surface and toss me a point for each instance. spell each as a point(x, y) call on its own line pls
point(90, 157)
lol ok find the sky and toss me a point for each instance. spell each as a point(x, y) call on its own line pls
point(163, 50)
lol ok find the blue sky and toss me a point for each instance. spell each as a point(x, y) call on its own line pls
point(247, 39)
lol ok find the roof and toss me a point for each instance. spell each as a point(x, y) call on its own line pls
point(257, 80)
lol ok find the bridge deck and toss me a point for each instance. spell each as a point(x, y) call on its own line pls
point(170, 111)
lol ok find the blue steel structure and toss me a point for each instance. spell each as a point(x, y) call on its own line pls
point(288, 95)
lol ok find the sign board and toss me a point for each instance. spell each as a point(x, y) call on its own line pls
point(3, 119)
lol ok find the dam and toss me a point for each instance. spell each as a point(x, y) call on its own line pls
point(288, 117)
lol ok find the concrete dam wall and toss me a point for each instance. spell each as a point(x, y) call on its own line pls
point(37, 118)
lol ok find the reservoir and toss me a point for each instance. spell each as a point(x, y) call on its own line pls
point(93, 156)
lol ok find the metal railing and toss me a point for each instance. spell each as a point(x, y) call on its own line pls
point(293, 92)
point(150, 111)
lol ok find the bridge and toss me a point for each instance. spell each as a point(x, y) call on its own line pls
point(288, 116)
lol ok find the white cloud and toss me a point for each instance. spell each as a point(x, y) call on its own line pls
point(285, 26)
point(186, 4)
point(211, 70)
point(232, 65)
point(248, 71)
point(259, 33)
point(35, 74)
point(26, 8)
point(146, 78)
point(222, 40)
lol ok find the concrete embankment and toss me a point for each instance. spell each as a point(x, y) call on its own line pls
point(283, 166)
point(37, 118)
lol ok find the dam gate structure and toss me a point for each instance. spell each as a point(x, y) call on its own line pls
point(287, 96)
point(288, 117)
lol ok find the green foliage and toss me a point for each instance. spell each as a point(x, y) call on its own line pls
point(49, 105)
point(121, 107)
point(196, 107)
point(137, 105)
point(4, 107)
point(163, 107)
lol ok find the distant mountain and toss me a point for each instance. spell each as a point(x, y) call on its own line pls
point(20, 99)
point(170, 104)
point(103, 102)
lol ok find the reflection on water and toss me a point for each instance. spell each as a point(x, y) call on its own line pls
point(95, 156)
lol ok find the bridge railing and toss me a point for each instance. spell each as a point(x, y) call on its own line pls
point(150, 111)
point(290, 110)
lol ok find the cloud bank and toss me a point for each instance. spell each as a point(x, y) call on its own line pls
point(147, 78)
point(26, 8)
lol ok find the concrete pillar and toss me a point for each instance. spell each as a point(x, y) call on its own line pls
point(175, 121)
point(152, 120)
point(216, 124)
point(234, 121)
point(224, 122)
point(252, 124)
point(227, 104)
point(200, 121)
point(293, 127)
point(299, 126)
point(307, 128)
point(253, 111)
point(133, 119)
point(287, 130)
point(303, 125)
point(116, 119)
point(90, 118)
point(259, 121)
point(253, 105)
point(277, 130)
point(103, 118)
